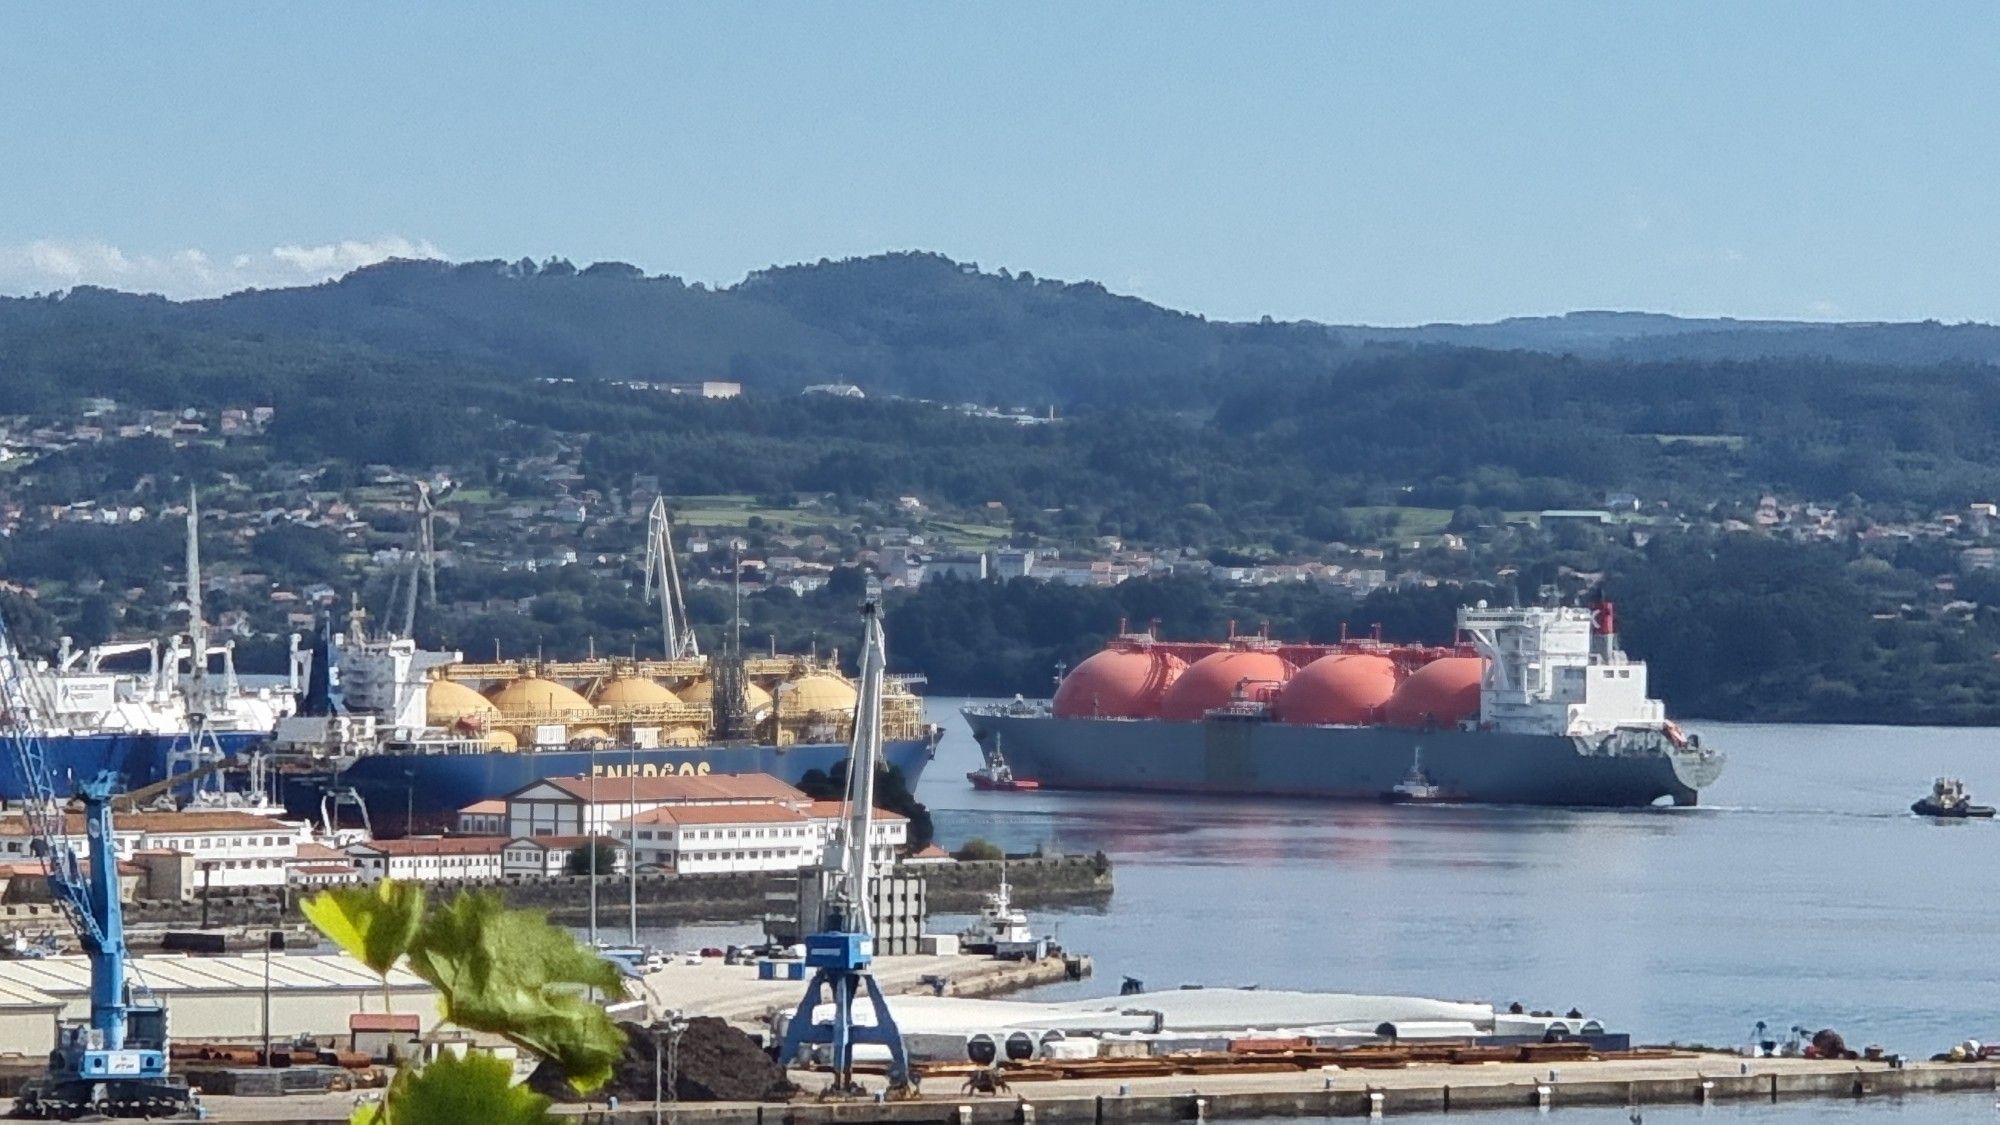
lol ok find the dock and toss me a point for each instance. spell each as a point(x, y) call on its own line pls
point(1687, 1079)
point(733, 992)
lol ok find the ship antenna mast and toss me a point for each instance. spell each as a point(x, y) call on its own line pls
point(663, 575)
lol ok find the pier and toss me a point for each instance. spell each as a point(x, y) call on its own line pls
point(1683, 1079)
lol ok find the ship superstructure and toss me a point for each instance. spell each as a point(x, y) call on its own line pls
point(1534, 705)
point(142, 709)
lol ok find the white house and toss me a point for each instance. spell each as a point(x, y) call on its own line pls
point(429, 858)
point(483, 818)
point(576, 806)
point(703, 839)
point(706, 839)
point(228, 848)
point(549, 855)
point(889, 830)
point(317, 865)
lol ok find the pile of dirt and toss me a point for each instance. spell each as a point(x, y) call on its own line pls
point(716, 1063)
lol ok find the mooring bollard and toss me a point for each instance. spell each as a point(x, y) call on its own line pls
point(1707, 1091)
point(965, 1115)
point(1201, 1109)
point(1375, 1100)
point(1544, 1096)
point(1027, 1114)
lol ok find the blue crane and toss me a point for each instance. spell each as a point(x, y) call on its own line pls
point(840, 953)
point(115, 1062)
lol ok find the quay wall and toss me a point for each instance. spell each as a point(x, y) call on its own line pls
point(955, 888)
point(1351, 1095)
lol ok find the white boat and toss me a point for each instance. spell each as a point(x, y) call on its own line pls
point(1002, 928)
point(1416, 786)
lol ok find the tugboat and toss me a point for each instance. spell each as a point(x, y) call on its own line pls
point(1000, 779)
point(996, 776)
point(1949, 801)
point(1416, 788)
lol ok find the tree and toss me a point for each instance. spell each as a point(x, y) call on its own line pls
point(600, 851)
point(979, 849)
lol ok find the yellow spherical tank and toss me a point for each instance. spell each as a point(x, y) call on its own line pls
point(680, 736)
point(533, 695)
point(634, 691)
point(448, 701)
point(502, 741)
point(817, 692)
point(703, 692)
point(590, 734)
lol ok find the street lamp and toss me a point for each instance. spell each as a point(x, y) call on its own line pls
point(273, 939)
point(674, 1024)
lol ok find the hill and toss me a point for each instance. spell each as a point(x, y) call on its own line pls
point(1656, 336)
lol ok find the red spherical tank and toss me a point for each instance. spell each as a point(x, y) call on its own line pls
point(1345, 688)
point(1212, 681)
point(1442, 693)
point(1118, 683)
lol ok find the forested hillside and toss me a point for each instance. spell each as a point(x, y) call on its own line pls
point(1180, 440)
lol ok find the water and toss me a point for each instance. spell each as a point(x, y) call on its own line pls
point(1802, 892)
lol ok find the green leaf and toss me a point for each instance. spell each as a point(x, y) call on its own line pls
point(475, 1090)
point(373, 924)
point(511, 973)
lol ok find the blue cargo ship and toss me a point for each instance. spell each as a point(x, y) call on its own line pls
point(419, 735)
point(423, 792)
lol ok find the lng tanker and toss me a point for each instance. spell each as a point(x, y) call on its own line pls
point(1536, 706)
point(417, 734)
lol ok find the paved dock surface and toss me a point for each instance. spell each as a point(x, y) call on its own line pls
point(734, 993)
point(1684, 1080)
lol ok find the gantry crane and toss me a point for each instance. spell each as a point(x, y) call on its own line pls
point(842, 949)
point(113, 1063)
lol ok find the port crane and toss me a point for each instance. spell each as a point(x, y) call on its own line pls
point(840, 952)
point(663, 575)
point(114, 1063)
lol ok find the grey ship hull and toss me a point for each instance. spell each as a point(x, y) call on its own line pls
point(1253, 756)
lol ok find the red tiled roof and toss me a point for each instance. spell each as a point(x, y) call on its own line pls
point(311, 850)
point(221, 820)
point(434, 845)
point(562, 841)
point(491, 807)
point(825, 809)
point(711, 787)
point(720, 814)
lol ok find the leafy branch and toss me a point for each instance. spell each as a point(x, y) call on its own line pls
point(503, 971)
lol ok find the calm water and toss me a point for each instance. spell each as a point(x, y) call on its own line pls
point(1801, 892)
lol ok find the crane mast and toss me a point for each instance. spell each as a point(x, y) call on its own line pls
point(114, 1062)
point(841, 952)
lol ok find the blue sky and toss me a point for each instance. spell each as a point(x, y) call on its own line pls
point(1391, 163)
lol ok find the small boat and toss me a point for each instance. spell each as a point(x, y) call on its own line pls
point(1948, 800)
point(1002, 928)
point(1001, 781)
point(996, 776)
point(1416, 788)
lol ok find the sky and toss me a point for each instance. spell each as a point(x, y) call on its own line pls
point(1387, 163)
